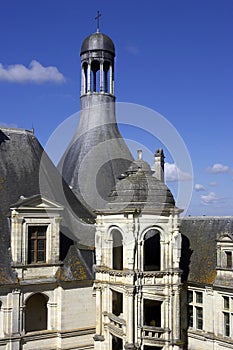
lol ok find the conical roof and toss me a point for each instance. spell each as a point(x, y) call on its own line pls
point(93, 162)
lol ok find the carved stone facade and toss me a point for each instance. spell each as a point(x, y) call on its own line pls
point(138, 280)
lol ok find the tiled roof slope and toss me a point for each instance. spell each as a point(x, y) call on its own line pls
point(199, 236)
point(20, 165)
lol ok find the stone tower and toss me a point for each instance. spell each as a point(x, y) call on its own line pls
point(97, 154)
point(138, 280)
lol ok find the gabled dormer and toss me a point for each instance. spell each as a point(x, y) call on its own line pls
point(35, 237)
point(224, 258)
point(225, 250)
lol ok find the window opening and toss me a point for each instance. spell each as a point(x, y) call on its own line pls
point(37, 244)
point(195, 309)
point(95, 76)
point(85, 77)
point(199, 317)
point(152, 251)
point(117, 303)
point(227, 316)
point(117, 250)
point(152, 313)
point(36, 313)
point(229, 259)
point(117, 343)
point(106, 86)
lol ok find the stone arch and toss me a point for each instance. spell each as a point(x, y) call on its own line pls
point(156, 228)
point(36, 313)
point(152, 249)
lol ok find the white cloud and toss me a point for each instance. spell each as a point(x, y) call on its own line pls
point(213, 184)
point(199, 187)
point(172, 173)
point(208, 199)
point(35, 73)
point(218, 169)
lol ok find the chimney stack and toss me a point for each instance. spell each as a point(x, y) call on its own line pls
point(159, 164)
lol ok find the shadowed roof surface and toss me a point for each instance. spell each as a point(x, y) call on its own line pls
point(199, 246)
point(23, 165)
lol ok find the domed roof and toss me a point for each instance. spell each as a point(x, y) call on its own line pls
point(98, 41)
point(139, 189)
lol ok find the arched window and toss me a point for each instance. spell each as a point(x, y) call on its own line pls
point(36, 313)
point(152, 251)
point(117, 250)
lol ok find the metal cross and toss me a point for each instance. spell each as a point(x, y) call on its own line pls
point(98, 21)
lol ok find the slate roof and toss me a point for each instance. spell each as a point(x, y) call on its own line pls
point(26, 170)
point(199, 236)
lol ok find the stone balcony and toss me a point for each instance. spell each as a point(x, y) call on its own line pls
point(154, 335)
point(106, 274)
point(115, 324)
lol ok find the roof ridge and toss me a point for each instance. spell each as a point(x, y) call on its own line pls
point(18, 130)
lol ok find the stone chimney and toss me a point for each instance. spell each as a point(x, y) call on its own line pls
point(159, 164)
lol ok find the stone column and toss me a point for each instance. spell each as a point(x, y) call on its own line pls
point(22, 315)
point(176, 314)
point(130, 326)
point(98, 335)
point(52, 315)
point(55, 239)
point(15, 311)
point(89, 77)
point(101, 75)
point(111, 79)
point(83, 90)
point(16, 238)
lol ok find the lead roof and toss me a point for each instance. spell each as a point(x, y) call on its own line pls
point(98, 41)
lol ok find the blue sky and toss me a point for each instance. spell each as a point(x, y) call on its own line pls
point(173, 56)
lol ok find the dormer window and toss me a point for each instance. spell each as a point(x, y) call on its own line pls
point(35, 237)
point(37, 244)
point(229, 260)
point(225, 251)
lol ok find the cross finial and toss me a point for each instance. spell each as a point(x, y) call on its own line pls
point(98, 21)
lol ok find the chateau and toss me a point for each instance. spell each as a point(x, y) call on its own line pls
point(93, 253)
